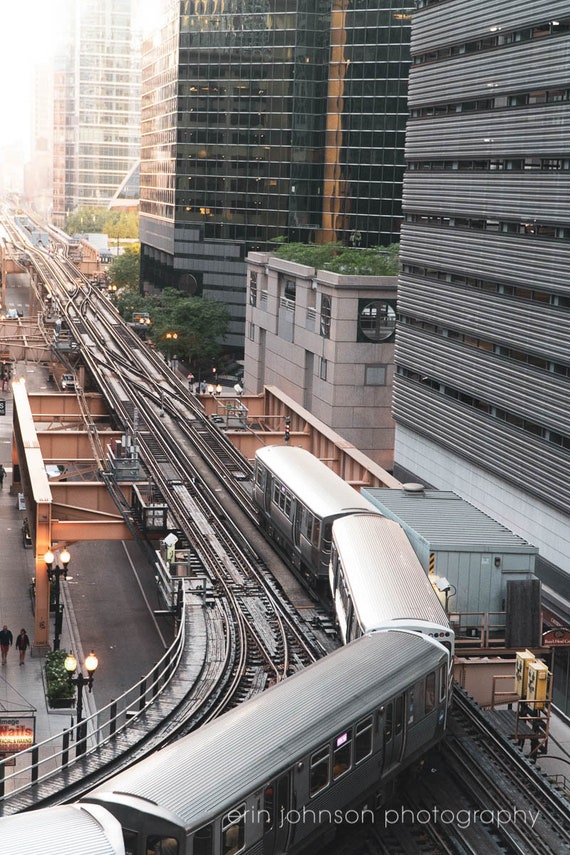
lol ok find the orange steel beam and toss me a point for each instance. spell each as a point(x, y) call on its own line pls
point(27, 457)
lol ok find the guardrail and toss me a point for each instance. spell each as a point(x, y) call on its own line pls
point(46, 759)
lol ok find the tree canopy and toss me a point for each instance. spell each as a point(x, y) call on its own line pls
point(183, 326)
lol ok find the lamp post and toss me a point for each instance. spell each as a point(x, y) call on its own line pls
point(56, 573)
point(80, 681)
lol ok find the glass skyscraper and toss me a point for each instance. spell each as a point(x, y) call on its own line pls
point(96, 104)
point(268, 120)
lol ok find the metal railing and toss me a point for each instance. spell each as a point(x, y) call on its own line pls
point(46, 759)
point(479, 629)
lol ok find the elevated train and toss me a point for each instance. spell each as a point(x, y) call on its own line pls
point(341, 542)
point(299, 498)
point(327, 744)
point(273, 775)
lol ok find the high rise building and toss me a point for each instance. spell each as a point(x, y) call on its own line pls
point(96, 104)
point(268, 120)
point(483, 347)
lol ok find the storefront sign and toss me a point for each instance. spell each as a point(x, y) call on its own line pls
point(17, 733)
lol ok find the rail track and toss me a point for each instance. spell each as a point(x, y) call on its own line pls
point(200, 477)
point(475, 794)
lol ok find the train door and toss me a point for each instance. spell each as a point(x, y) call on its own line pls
point(394, 731)
point(277, 812)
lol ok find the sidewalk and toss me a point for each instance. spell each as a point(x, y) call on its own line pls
point(109, 599)
point(22, 687)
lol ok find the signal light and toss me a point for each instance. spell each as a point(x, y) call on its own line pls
point(287, 435)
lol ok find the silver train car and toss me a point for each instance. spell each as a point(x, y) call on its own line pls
point(63, 830)
point(377, 582)
point(272, 774)
point(299, 498)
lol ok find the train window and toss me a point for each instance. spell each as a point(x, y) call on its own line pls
point(327, 537)
point(202, 844)
point(319, 771)
point(398, 714)
point(268, 806)
point(316, 536)
point(417, 699)
point(233, 831)
point(430, 692)
point(341, 754)
point(363, 739)
point(130, 839)
point(388, 724)
point(344, 595)
point(158, 845)
point(282, 498)
point(442, 682)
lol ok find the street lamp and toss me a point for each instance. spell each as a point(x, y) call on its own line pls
point(56, 573)
point(80, 681)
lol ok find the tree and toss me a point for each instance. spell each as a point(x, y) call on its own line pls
point(85, 220)
point(124, 270)
point(198, 325)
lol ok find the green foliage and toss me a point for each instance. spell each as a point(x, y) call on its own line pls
point(197, 323)
point(57, 678)
point(378, 261)
point(124, 269)
point(117, 224)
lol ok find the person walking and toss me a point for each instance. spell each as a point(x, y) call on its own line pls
point(2, 475)
point(22, 644)
point(6, 640)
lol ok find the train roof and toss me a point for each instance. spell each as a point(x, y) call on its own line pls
point(318, 487)
point(62, 830)
point(386, 580)
point(211, 770)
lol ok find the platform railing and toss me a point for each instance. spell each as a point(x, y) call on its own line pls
point(47, 758)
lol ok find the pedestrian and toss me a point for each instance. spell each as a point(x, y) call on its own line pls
point(6, 640)
point(2, 475)
point(22, 644)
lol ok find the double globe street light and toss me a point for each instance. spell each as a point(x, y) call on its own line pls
point(56, 573)
point(80, 681)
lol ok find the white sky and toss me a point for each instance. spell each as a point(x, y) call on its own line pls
point(28, 35)
point(28, 32)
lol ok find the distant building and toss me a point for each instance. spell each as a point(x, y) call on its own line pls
point(327, 341)
point(96, 104)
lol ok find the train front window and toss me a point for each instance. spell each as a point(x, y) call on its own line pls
point(202, 844)
point(130, 839)
point(158, 845)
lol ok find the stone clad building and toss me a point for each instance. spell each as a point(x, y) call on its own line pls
point(327, 341)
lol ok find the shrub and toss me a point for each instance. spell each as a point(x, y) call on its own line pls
point(57, 677)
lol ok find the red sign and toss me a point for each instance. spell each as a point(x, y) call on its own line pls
point(556, 638)
point(17, 733)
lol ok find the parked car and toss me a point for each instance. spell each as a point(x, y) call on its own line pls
point(68, 383)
